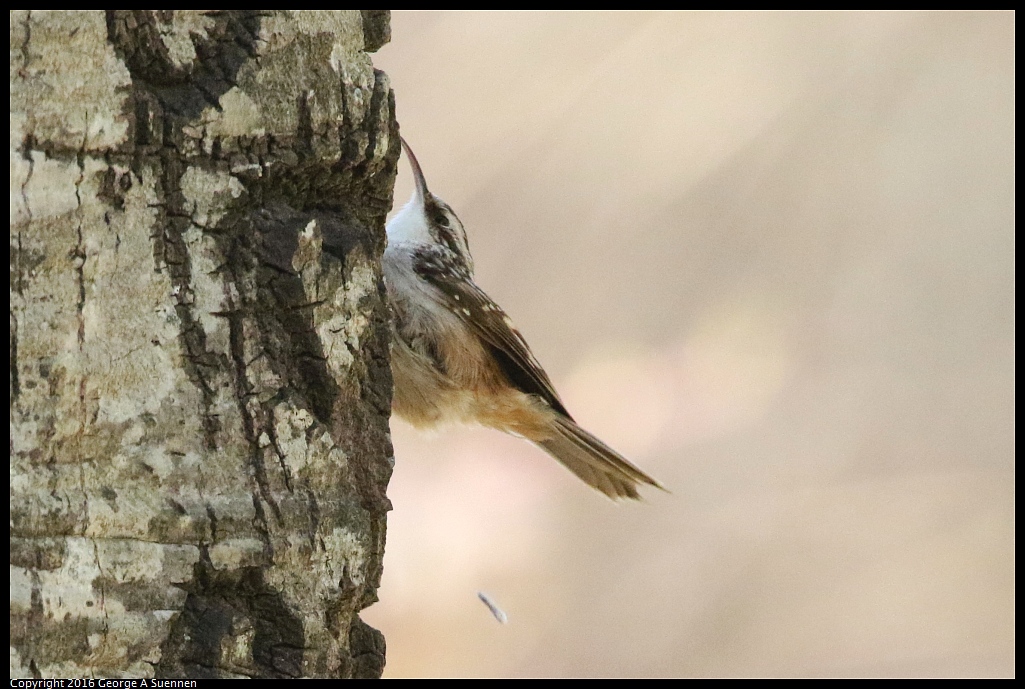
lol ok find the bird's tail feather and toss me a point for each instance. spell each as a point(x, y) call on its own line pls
point(596, 463)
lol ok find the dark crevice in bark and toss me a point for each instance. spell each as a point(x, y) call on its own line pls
point(251, 426)
point(288, 335)
point(314, 514)
point(378, 102)
point(201, 365)
point(114, 185)
point(78, 253)
point(304, 129)
point(99, 584)
point(15, 380)
point(270, 428)
point(27, 147)
point(222, 606)
point(262, 527)
point(185, 90)
point(211, 515)
point(25, 57)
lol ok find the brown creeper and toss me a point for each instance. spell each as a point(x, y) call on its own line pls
point(457, 357)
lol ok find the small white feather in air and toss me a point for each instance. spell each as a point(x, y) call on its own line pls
point(495, 610)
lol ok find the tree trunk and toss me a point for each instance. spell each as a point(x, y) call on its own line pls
point(200, 386)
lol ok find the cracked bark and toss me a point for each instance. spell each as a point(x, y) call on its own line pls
point(199, 376)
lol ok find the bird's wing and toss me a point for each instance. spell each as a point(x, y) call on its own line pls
point(455, 288)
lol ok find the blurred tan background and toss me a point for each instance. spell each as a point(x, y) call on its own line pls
point(769, 257)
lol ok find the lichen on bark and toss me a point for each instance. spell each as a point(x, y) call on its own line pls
point(199, 366)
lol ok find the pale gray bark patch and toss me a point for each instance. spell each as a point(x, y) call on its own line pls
point(200, 384)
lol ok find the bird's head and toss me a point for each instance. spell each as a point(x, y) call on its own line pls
point(426, 219)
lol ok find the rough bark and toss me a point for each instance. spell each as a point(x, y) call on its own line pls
point(200, 386)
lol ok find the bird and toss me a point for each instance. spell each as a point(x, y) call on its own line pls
point(457, 357)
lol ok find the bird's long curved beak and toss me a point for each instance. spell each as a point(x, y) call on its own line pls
point(418, 174)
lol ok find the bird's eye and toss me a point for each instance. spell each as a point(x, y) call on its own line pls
point(440, 218)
